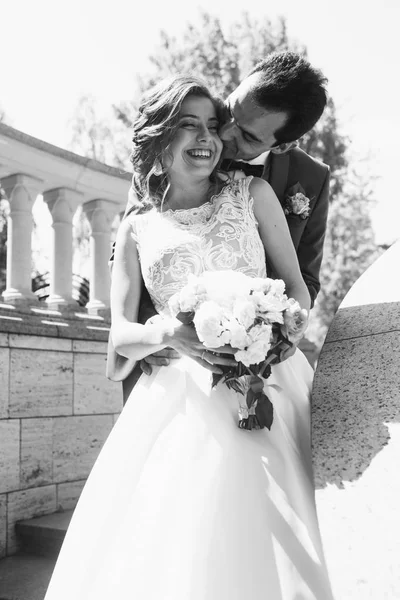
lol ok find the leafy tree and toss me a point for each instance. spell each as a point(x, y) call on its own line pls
point(98, 138)
point(223, 57)
point(349, 245)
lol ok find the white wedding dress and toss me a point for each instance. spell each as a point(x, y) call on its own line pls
point(181, 504)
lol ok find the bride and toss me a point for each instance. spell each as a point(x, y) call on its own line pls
point(181, 504)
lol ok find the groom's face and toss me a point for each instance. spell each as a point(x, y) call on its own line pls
point(250, 130)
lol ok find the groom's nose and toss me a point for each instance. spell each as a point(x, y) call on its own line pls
point(228, 131)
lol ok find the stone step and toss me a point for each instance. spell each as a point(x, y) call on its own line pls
point(25, 576)
point(43, 535)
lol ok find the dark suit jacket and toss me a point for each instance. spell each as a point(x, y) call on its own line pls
point(282, 171)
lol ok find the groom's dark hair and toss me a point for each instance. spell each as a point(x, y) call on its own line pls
point(290, 84)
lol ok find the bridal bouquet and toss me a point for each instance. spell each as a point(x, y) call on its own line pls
point(254, 316)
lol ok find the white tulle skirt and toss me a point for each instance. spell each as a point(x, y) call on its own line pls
point(183, 505)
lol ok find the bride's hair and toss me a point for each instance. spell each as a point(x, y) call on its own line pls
point(154, 129)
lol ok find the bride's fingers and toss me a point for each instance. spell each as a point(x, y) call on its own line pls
point(227, 349)
point(214, 358)
point(207, 365)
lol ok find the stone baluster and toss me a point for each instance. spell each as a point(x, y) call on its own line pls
point(100, 214)
point(62, 203)
point(21, 191)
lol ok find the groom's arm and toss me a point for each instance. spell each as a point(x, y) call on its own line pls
point(310, 249)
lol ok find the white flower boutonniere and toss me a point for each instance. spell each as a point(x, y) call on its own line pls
point(296, 202)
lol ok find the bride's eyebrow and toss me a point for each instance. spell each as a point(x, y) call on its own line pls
point(188, 115)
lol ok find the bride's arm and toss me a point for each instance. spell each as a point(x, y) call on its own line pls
point(275, 235)
point(130, 338)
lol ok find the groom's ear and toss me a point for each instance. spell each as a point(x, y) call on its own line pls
point(282, 148)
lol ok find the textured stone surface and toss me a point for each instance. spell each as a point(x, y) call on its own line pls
point(40, 383)
point(76, 444)
point(4, 379)
point(356, 394)
point(3, 340)
point(93, 393)
point(360, 526)
point(3, 525)
point(370, 319)
point(356, 437)
point(36, 452)
point(26, 504)
point(89, 346)
point(37, 342)
point(68, 494)
point(25, 577)
point(9, 455)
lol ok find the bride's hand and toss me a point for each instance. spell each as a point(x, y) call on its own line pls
point(185, 341)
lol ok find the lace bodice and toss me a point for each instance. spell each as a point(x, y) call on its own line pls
point(222, 234)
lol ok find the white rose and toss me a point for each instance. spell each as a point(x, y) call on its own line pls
point(254, 354)
point(188, 299)
point(277, 287)
point(261, 284)
point(208, 322)
point(295, 321)
point(244, 311)
point(270, 306)
point(238, 337)
point(262, 331)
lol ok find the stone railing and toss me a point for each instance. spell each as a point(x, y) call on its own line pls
point(56, 406)
point(29, 167)
point(356, 436)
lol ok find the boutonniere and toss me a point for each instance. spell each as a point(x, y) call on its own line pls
point(296, 202)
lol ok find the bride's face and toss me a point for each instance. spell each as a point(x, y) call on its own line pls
point(196, 147)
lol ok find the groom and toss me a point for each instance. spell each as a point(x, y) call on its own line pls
point(277, 103)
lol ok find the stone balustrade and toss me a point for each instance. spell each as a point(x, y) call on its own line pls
point(56, 405)
point(29, 167)
point(356, 436)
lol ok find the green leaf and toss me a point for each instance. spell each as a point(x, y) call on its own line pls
point(216, 378)
point(264, 411)
point(251, 397)
point(185, 317)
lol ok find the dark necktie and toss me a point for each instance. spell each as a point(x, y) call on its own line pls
point(238, 165)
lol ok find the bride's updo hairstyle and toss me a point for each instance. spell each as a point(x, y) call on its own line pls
point(154, 130)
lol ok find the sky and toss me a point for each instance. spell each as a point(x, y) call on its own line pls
point(53, 52)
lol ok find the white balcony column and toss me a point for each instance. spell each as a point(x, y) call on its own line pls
point(62, 203)
point(100, 214)
point(21, 191)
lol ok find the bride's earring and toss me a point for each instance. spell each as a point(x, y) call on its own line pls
point(158, 169)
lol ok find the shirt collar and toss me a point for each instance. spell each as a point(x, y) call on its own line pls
point(259, 160)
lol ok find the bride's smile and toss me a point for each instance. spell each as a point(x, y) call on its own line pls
point(196, 147)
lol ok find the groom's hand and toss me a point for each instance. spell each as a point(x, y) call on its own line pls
point(162, 358)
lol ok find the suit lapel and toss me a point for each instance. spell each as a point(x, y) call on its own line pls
point(276, 173)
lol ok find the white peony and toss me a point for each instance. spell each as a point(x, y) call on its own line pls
point(244, 311)
point(262, 331)
point(238, 337)
point(208, 322)
point(295, 321)
point(254, 354)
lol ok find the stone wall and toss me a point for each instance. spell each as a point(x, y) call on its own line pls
point(56, 410)
point(356, 437)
